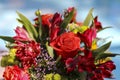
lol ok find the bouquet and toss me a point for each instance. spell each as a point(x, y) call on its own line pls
point(57, 47)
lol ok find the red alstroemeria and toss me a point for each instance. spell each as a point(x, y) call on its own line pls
point(70, 64)
point(21, 34)
point(98, 24)
point(97, 75)
point(15, 73)
point(103, 71)
point(88, 36)
point(27, 53)
point(84, 63)
point(107, 69)
point(55, 27)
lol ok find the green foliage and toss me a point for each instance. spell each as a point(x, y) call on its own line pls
point(28, 26)
point(105, 55)
point(104, 28)
point(7, 38)
point(40, 26)
point(50, 50)
point(74, 75)
point(101, 53)
point(88, 18)
point(101, 49)
point(66, 20)
point(10, 45)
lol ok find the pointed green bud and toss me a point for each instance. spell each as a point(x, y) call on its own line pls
point(37, 13)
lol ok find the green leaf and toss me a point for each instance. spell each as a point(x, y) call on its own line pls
point(7, 38)
point(28, 26)
point(20, 21)
point(10, 45)
point(105, 28)
point(40, 27)
point(101, 49)
point(50, 50)
point(88, 18)
point(66, 20)
point(83, 75)
point(105, 55)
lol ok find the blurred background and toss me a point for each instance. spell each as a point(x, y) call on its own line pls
point(108, 12)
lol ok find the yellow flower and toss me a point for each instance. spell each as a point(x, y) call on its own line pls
point(103, 60)
point(12, 52)
point(72, 26)
point(82, 29)
point(94, 45)
point(9, 59)
point(76, 28)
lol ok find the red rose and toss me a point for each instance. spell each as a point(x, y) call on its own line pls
point(67, 45)
point(15, 73)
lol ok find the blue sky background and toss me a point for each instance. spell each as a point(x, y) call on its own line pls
point(107, 10)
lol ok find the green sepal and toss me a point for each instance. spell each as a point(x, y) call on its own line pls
point(7, 38)
point(88, 18)
point(101, 49)
point(28, 26)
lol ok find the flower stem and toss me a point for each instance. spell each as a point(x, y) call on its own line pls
point(58, 59)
